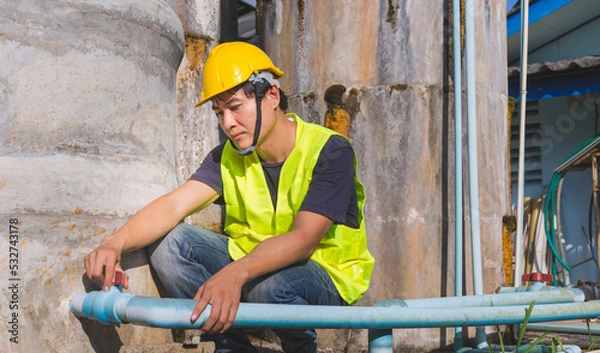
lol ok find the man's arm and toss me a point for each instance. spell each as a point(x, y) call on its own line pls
point(145, 227)
point(223, 290)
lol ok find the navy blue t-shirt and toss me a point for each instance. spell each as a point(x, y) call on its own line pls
point(331, 193)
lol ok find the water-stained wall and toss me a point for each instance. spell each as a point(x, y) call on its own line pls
point(87, 90)
point(394, 57)
point(97, 119)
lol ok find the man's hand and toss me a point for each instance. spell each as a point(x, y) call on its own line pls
point(222, 291)
point(102, 264)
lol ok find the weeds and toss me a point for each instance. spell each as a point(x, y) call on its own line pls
point(524, 328)
point(555, 341)
point(592, 341)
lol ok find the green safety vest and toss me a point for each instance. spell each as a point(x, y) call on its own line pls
point(250, 216)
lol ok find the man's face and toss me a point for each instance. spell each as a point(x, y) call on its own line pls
point(237, 116)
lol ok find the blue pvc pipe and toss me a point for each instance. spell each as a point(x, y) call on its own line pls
point(561, 328)
point(382, 340)
point(481, 337)
point(117, 307)
point(534, 287)
point(473, 157)
point(535, 349)
point(522, 124)
point(555, 295)
point(458, 154)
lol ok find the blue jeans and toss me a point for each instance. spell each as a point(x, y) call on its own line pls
point(186, 257)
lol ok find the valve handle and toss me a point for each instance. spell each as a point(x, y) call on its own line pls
point(537, 277)
point(117, 278)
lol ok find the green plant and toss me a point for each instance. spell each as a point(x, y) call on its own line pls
point(500, 339)
point(529, 347)
point(524, 328)
point(592, 341)
point(554, 341)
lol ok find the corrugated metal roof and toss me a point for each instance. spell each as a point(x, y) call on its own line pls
point(568, 77)
point(586, 62)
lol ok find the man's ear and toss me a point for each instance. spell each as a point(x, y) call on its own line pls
point(273, 96)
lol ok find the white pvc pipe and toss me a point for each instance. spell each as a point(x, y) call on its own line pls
point(521, 173)
point(458, 161)
point(581, 329)
point(458, 152)
point(481, 338)
point(473, 158)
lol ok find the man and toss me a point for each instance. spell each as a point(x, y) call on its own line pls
point(294, 224)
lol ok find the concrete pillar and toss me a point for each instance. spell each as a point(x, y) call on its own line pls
point(88, 117)
point(197, 128)
point(395, 59)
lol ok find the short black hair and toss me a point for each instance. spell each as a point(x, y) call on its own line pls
point(252, 89)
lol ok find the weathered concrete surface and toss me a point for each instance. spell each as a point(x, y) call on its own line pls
point(97, 120)
point(197, 129)
point(356, 43)
point(87, 138)
point(394, 57)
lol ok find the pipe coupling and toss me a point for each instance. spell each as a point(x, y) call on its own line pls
point(100, 306)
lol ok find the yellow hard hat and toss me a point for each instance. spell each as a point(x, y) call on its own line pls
point(230, 64)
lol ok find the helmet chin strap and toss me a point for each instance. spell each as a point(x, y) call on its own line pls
point(256, 78)
point(248, 150)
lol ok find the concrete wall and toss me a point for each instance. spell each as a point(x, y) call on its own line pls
point(97, 120)
point(88, 136)
point(393, 56)
point(197, 129)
